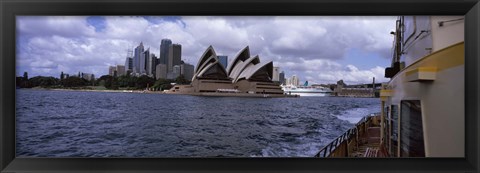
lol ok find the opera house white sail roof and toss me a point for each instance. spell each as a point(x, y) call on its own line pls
point(246, 76)
point(243, 67)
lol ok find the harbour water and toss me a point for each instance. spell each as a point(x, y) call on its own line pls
point(103, 124)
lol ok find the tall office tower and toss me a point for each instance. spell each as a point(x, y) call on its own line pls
point(295, 80)
point(143, 61)
point(120, 70)
point(137, 56)
point(276, 74)
point(164, 51)
point(161, 71)
point(281, 77)
point(187, 71)
point(129, 64)
point(148, 64)
point(152, 63)
point(223, 60)
point(174, 56)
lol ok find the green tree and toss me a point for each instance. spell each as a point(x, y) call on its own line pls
point(163, 84)
point(144, 81)
point(109, 82)
point(75, 81)
point(181, 80)
point(123, 80)
point(115, 84)
point(43, 81)
point(25, 76)
point(106, 80)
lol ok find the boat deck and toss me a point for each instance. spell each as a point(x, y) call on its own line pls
point(361, 141)
point(369, 144)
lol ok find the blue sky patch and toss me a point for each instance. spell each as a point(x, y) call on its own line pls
point(98, 22)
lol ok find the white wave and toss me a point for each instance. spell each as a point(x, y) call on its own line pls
point(356, 114)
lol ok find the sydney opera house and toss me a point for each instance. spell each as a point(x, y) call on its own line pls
point(246, 76)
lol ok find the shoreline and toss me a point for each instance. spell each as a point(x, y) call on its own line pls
point(192, 94)
point(92, 90)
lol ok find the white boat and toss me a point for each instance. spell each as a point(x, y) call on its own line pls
point(305, 89)
point(423, 110)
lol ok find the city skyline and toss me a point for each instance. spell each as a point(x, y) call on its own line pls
point(318, 49)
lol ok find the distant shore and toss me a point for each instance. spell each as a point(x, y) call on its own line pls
point(99, 90)
point(163, 92)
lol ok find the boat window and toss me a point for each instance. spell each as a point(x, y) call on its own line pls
point(411, 129)
point(394, 130)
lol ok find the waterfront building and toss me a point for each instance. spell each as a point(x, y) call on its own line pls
point(223, 60)
point(187, 71)
point(276, 74)
point(161, 71)
point(360, 90)
point(137, 56)
point(245, 75)
point(281, 77)
point(164, 45)
point(174, 56)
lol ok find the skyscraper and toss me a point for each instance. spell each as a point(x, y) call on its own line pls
point(152, 63)
point(223, 60)
point(161, 71)
point(295, 80)
point(281, 77)
point(145, 56)
point(137, 58)
point(174, 56)
point(129, 64)
point(164, 45)
point(276, 74)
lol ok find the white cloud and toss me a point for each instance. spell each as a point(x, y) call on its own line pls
point(67, 26)
point(307, 46)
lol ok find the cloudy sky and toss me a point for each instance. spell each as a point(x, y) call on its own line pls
point(320, 49)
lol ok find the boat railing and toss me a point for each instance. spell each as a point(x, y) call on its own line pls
point(343, 145)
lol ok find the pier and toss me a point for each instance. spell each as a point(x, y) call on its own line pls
point(361, 90)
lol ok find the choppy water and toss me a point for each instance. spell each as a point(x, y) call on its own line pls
point(98, 124)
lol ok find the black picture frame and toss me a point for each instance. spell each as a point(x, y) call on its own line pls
point(10, 8)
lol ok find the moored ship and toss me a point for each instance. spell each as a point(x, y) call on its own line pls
point(423, 108)
point(305, 89)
